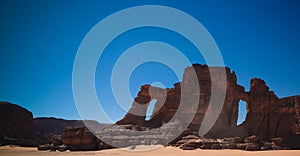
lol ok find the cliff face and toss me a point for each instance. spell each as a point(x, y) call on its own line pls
point(17, 125)
point(267, 117)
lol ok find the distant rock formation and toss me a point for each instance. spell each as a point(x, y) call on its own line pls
point(17, 126)
point(47, 127)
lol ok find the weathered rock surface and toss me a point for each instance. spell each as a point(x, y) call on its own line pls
point(252, 143)
point(277, 141)
point(56, 140)
point(267, 115)
point(126, 135)
point(252, 147)
point(62, 148)
point(44, 147)
point(16, 126)
point(48, 127)
point(178, 115)
point(79, 139)
point(167, 104)
point(19, 128)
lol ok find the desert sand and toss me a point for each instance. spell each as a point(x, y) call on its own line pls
point(143, 150)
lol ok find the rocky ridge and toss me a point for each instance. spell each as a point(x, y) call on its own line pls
point(267, 115)
point(271, 123)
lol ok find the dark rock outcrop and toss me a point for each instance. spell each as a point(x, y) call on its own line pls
point(45, 147)
point(17, 126)
point(62, 148)
point(56, 140)
point(252, 143)
point(268, 116)
point(49, 127)
point(79, 139)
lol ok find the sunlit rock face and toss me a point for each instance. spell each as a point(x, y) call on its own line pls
point(267, 115)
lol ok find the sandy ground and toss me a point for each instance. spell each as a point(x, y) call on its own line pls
point(143, 150)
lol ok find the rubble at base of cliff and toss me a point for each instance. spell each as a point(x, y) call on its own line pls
point(251, 143)
point(122, 136)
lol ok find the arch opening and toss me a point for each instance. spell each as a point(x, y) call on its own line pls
point(150, 109)
point(242, 112)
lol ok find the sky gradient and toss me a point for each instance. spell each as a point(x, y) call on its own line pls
point(39, 42)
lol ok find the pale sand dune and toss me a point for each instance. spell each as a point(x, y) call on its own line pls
point(158, 151)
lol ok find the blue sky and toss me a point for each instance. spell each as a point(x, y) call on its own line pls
point(39, 42)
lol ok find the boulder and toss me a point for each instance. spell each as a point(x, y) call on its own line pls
point(216, 146)
point(187, 148)
point(62, 148)
point(231, 146)
point(56, 140)
point(275, 147)
point(44, 147)
point(251, 139)
point(207, 143)
point(190, 137)
point(241, 146)
point(267, 146)
point(192, 144)
point(277, 141)
point(79, 139)
point(206, 146)
point(53, 147)
point(252, 147)
point(233, 140)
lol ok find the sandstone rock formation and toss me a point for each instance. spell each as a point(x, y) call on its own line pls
point(165, 110)
point(16, 126)
point(19, 128)
point(268, 116)
point(79, 139)
point(47, 127)
point(251, 143)
point(271, 122)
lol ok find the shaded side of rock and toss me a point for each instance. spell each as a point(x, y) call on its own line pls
point(17, 126)
point(79, 139)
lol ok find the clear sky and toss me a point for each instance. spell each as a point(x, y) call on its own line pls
point(39, 42)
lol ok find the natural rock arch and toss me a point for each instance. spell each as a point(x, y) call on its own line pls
point(265, 111)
